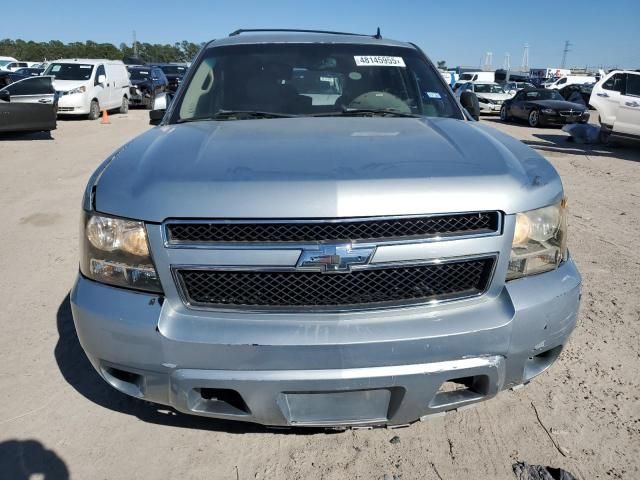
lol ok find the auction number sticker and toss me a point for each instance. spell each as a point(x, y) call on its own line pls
point(378, 61)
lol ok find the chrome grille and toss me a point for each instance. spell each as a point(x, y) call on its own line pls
point(392, 285)
point(358, 229)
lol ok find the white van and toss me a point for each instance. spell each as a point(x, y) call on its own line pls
point(6, 61)
point(570, 80)
point(617, 98)
point(474, 77)
point(88, 86)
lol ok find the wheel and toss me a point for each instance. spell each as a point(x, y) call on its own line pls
point(504, 116)
point(534, 118)
point(124, 107)
point(94, 110)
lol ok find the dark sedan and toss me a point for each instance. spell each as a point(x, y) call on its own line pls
point(540, 107)
point(146, 84)
point(174, 74)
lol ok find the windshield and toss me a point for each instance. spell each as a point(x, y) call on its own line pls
point(70, 71)
point(136, 74)
point(5, 62)
point(544, 95)
point(309, 79)
point(488, 88)
point(173, 69)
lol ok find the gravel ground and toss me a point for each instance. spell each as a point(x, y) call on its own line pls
point(58, 418)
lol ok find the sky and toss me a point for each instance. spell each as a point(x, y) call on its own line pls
point(602, 33)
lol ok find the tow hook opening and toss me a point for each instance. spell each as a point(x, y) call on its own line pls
point(457, 391)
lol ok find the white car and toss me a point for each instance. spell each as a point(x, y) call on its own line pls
point(616, 97)
point(569, 80)
point(490, 95)
point(88, 86)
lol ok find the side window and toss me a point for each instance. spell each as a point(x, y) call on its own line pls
point(31, 86)
point(615, 83)
point(100, 71)
point(562, 81)
point(633, 85)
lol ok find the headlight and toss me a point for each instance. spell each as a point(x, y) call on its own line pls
point(115, 251)
point(539, 241)
point(77, 90)
point(548, 111)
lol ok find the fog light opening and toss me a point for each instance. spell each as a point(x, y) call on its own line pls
point(125, 381)
point(222, 401)
point(457, 391)
point(540, 362)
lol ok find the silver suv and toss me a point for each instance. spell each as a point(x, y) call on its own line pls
point(317, 234)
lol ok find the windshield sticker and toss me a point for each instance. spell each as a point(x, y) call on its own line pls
point(56, 68)
point(86, 66)
point(433, 95)
point(143, 73)
point(378, 61)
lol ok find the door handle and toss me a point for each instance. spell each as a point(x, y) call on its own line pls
point(43, 100)
point(632, 104)
point(605, 95)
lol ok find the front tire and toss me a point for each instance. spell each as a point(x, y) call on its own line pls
point(94, 110)
point(504, 116)
point(124, 107)
point(534, 118)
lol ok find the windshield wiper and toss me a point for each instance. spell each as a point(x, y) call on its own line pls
point(372, 112)
point(236, 115)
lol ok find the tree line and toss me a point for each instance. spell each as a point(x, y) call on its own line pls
point(149, 52)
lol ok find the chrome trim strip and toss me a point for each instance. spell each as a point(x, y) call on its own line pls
point(181, 288)
point(302, 245)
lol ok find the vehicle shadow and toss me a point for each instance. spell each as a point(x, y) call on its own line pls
point(80, 374)
point(22, 136)
point(563, 143)
point(27, 459)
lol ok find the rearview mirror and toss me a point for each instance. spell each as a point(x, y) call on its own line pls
point(469, 101)
point(102, 78)
point(5, 95)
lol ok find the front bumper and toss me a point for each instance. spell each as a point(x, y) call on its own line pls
point(372, 370)
point(76, 104)
point(548, 119)
point(490, 107)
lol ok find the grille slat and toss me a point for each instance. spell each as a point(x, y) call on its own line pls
point(328, 230)
point(359, 288)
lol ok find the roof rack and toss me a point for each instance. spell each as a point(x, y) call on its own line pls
point(295, 30)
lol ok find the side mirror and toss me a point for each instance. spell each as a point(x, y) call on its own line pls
point(102, 78)
point(159, 108)
point(469, 101)
point(5, 95)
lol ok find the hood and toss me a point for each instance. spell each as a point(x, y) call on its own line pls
point(558, 104)
point(66, 85)
point(495, 96)
point(321, 168)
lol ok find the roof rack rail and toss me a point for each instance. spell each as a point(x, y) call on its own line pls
point(295, 30)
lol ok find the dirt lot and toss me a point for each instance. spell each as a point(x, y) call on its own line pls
point(58, 418)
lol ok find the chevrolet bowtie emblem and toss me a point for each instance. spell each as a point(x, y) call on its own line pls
point(334, 258)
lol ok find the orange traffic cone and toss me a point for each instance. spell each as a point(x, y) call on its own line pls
point(105, 117)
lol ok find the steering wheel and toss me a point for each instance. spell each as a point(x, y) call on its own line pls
point(377, 100)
